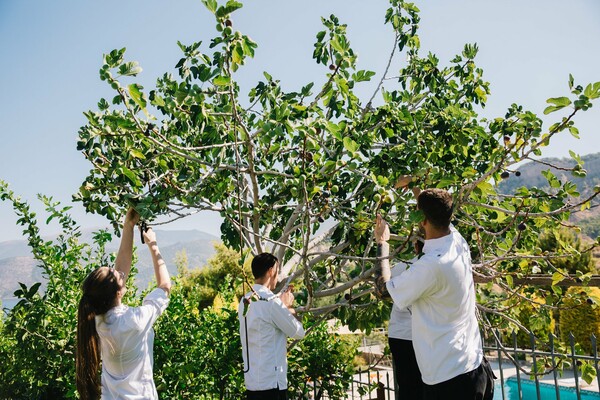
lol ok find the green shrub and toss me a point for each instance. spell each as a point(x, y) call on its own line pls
point(565, 241)
point(533, 315)
point(322, 360)
point(581, 316)
point(37, 337)
point(197, 352)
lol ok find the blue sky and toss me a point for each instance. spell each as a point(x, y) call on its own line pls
point(51, 53)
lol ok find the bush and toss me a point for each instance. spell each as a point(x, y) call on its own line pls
point(197, 352)
point(533, 314)
point(322, 360)
point(565, 241)
point(205, 282)
point(580, 315)
point(37, 337)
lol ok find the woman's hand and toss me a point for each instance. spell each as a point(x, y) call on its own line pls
point(149, 236)
point(131, 218)
point(382, 230)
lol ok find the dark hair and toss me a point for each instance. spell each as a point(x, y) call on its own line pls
point(418, 245)
point(436, 204)
point(100, 289)
point(262, 263)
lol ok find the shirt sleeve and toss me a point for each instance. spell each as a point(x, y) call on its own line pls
point(412, 284)
point(399, 268)
point(284, 320)
point(152, 307)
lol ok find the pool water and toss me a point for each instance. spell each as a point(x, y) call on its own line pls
point(547, 392)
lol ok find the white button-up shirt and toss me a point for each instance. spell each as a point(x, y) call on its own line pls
point(126, 343)
point(440, 288)
point(268, 322)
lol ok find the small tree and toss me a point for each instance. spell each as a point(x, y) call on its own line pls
point(581, 317)
point(566, 241)
point(206, 281)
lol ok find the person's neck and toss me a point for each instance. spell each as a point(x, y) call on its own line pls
point(435, 233)
point(266, 282)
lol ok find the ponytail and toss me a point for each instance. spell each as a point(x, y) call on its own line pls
point(88, 352)
point(99, 294)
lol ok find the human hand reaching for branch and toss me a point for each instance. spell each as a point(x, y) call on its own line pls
point(382, 230)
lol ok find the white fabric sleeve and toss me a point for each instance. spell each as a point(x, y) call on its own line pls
point(419, 280)
point(152, 307)
point(284, 320)
point(400, 267)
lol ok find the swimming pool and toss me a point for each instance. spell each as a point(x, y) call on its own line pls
point(547, 392)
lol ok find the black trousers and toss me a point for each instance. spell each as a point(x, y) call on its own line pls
point(272, 394)
point(407, 376)
point(474, 385)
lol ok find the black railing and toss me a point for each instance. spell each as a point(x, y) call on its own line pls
point(547, 364)
point(517, 370)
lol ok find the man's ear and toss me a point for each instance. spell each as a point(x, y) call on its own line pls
point(273, 270)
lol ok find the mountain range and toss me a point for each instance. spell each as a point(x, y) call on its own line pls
point(18, 265)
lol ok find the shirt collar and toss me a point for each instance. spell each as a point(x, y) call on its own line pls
point(433, 244)
point(263, 291)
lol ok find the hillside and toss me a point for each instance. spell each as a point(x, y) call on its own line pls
point(531, 176)
point(18, 265)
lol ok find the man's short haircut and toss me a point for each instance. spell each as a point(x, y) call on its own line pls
point(262, 263)
point(436, 204)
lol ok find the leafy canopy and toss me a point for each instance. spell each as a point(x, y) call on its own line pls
point(303, 173)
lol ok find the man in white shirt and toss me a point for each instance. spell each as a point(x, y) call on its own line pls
point(266, 320)
point(439, 286)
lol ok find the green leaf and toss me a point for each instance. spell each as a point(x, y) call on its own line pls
point(158, 101)
point(588, 372)
point(135, 91)
point(137, 154)
point(559, 101)
point(221, 80)
point(350, 145)
point(574, 132)
point(211, 5)
point(130, 175)
point(131, 68)
point(363, 76)
point(557, 277)
point(103, 105)
point(230, 7)
point(33, 289)
point(551, 109)
point(571, 81)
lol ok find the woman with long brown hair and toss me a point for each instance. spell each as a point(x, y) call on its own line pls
point(119, 336)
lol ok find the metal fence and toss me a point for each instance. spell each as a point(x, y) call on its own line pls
point(538, 368)
point(544, 363)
